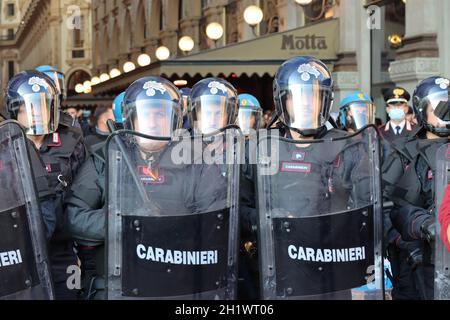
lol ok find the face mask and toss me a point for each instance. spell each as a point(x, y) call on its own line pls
point(397, 114)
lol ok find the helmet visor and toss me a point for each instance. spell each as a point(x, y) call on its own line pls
point(154, 117)
point(249, 119)
point(362, 114)
point(436, 98)
point(305, 106)
point(58, 80)
point(37, 114)
point(211, 113)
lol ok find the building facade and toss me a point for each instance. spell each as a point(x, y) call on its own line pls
point(370, 45)
point(49, 32)
point(10, 19)
point(368, 55)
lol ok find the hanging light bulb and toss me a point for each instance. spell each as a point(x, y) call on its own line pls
point(214, 31)
point(144, 60)
point(104, 77)
point(129, 66)
point(253, 15)
point(303, 2)
point(95, 81)
point(162, 53)
point(186, 44)
point(79, 88)
point(87, 84)
point(114, 73)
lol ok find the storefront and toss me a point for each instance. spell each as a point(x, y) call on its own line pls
point(250, 66)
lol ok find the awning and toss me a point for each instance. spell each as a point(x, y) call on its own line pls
point(259, 56)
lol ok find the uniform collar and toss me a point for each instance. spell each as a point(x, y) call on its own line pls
point(402, 125)
point(52, 141)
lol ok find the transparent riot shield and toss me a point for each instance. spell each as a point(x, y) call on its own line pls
point(172, 216)
point(442, 256)
point(24, 266)
point(320, 230)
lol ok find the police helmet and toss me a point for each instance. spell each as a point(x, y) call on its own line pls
point(213, 105)
point(117, 107)
point(32, 99)
point(303, 94)
point(431, 105)
point(356, 111)
point(152, 106)
point(250, 113)
point(58, 78)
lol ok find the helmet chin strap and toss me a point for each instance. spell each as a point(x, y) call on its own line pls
point(440, 132)
point(314, 133)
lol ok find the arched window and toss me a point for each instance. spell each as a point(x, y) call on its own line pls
point(78, 76)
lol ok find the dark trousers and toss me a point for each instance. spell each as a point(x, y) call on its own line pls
point(409, 283)
point(62, 256)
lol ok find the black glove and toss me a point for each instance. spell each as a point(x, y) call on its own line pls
point(414, 249)
point(428, 229)
point(408, 220)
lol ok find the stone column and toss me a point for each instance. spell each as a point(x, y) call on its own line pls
point(352, 70)
point(290, 14)
point(245, 31)
point(190, 25)
point(444, 37)
point(419, 56)
point(216, 14)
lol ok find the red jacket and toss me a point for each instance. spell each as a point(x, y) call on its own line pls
point(444, 217)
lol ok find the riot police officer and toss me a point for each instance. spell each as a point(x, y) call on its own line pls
point(19, 99)
point(306, 176)
point(214, 106)
point(151, 107)
point(61, 148)
point(249, 121)
point(409, 182)
point(250, 113)
point(356, 111)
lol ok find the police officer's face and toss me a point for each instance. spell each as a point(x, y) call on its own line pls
point(247, 121)
point(303, 111)
point(212, 117)
point(433, 120)
point(153, 121)
point(397, 105)
point(29, 117)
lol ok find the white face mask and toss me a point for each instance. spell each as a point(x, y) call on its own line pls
point(397, 114)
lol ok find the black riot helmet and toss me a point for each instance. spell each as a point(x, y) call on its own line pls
point(213, 105)
point(152, 106)
point(303, 95)
point(431, 105)
point(32, 99)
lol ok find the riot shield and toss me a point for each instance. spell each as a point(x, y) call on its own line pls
point(320, 230)
point(24, 266)
point(172, 229)
point(442, 256)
